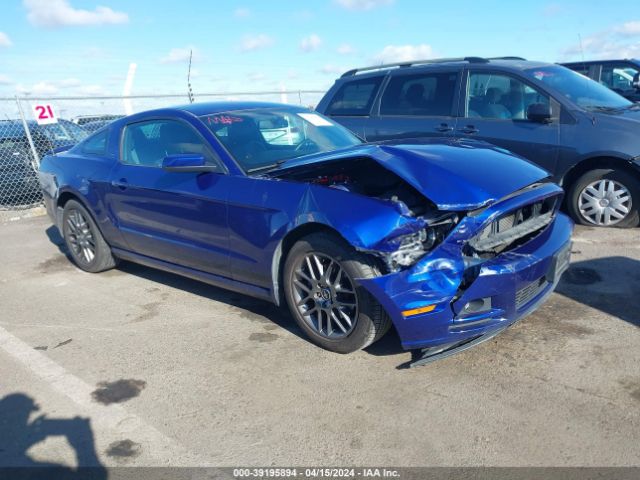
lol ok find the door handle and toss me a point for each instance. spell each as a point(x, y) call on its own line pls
point(121, 184)
point(469, 129)
point(443, 127)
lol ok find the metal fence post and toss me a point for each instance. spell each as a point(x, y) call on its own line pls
point(36, 157)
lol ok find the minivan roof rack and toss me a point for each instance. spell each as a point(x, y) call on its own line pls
point(426, 62)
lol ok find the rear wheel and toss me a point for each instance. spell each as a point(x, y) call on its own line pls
point(327, 303)
point(85, 243)
point(605, 198)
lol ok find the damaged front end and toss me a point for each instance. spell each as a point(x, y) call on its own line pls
point(404, 247)
point(493, 267)
point(463, 254)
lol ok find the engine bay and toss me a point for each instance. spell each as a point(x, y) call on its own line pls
point(362, 176)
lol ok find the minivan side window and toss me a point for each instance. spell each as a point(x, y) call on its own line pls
point(355, 98)
point(496, 96)
point(429, 94)
point(148, 143)
point(618, 77)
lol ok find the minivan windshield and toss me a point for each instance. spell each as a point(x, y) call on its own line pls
point(265, 137)
point(581, 90)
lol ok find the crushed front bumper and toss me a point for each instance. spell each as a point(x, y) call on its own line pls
point(504, 290)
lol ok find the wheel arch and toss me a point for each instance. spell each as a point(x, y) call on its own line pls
point(63, 199)
point(284, 246)
point(593, 163)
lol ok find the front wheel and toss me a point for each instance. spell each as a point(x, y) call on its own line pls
point(605, 198)
point(86, 245)
point(328, 304)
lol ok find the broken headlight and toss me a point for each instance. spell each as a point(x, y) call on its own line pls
point(413, 246)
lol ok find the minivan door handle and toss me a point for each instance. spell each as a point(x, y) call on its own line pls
point(469, 130)
point(443, 127)
point(121, 184)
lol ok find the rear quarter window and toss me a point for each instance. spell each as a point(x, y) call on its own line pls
point(96, 144)
point(355, 97)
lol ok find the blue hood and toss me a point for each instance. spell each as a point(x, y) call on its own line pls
point(455, 175)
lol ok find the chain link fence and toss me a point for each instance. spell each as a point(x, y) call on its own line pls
point(24, 140)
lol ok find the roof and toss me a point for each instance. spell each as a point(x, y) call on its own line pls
point(206, 108)
point(508, 62)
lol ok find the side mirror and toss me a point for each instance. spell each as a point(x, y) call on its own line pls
point(186, 162)
point(636, 81)
point(539, 112)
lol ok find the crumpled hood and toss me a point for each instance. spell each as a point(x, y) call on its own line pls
point(453, 174)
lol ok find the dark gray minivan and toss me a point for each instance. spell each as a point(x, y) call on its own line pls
point(586, 135)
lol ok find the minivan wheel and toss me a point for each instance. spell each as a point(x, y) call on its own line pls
point(605, 198)
point(86, 245)
point(325, 300)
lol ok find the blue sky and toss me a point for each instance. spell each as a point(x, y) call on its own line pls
point(71, 47)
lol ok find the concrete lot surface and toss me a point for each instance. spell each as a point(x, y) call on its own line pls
point(140, 367)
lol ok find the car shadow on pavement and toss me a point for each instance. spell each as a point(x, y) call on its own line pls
point(608, 284)
point(19, 434)
point(256, 308)
point(253, 308)
point(386, 346)
point(54, 237)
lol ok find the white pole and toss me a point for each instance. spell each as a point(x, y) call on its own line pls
point(284, 98)
point(34, 151)
point(128, 85)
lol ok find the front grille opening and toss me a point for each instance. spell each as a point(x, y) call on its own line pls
point(514, 228)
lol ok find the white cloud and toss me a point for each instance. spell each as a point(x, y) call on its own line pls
point(256, 77)
point(178, 55)
point(40, 88)
point(60, 13)
point(5, 79)
point(332, 69)
point(242, 12)
point(614, 42)
point(250, 43)
point(69, 83)
point(362, 4)
point(71, 86)
point(346, 49)
point(404, 53)
point(310, 43)
point(629, 28)
point(91, 90)
point(5, 41)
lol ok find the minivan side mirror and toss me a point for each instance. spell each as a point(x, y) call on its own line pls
point(186, 162)
point(636, 81)
point(539, 112)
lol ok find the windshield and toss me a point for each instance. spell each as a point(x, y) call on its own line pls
point(266, 137)
point(579, 89)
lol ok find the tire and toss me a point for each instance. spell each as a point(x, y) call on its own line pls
point(81, 235)
point(577, 193)
point(369, 321)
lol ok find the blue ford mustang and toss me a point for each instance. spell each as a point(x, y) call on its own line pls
point(451, 241)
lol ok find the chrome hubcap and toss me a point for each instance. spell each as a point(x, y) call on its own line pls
point(325, 295)
point(80, 237)
point(604, 202)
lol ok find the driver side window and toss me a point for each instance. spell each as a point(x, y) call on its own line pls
point(500, 97)
point(148, 143)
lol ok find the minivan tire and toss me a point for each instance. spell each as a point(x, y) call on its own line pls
point(611, 177)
